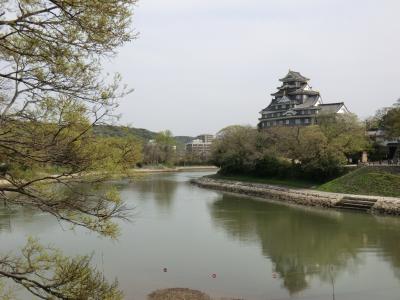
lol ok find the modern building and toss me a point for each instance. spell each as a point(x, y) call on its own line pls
point(296, 104)
point(201, 145)
point(206, 138)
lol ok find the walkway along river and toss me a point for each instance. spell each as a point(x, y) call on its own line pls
point(256, 249)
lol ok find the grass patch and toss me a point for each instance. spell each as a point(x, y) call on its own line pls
point(376, 181)
point(296, 183)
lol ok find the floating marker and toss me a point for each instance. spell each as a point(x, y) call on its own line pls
point(214, 275)
point(165, 270)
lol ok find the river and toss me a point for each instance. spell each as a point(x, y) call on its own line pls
point(256, 249)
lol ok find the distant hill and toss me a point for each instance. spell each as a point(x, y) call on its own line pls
point(143, 134)
point(119, 131)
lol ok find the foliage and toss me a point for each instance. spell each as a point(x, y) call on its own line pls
point(377, 152)
point(5, 292)
point(391, 121)
point(51, 96)
point(313, 152)
point(41, 153)
point(387, 119)
point(142, 134)
point(375, 122)
point(123, 131)
point(161, 150)
point(344, 132)
point(48, 274)
point(234, 151)
point(309, 150)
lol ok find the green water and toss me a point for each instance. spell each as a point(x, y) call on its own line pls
point(258, 250)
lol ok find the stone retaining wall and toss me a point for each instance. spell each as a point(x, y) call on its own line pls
point(383, 205)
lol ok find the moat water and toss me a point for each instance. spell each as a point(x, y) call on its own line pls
point(256, 249)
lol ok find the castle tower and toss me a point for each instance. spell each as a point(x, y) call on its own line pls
point(296, 104)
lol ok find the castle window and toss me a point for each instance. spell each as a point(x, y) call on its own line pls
point(307, 121)
point(287, 122)
point(297, 121)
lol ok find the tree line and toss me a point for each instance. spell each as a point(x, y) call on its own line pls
point(316, 152)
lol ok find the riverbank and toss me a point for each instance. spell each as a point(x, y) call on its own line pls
point(176, 169)
point(130, 173)
point(301, 196)
point(291, 183)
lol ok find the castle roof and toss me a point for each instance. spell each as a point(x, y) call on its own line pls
point(304, 92)
point(332, 107)
point(310, 103)
point(294, 76)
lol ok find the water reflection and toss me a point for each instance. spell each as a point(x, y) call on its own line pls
point(303, 243)
point(5, 219)
point(13, 217)
point(196, 232)
point(160, 188)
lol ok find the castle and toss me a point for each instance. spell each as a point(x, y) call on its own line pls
point(296, 104)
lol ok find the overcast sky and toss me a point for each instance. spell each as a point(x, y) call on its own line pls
point(201, 65)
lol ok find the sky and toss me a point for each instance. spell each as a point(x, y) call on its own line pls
point(201, 65)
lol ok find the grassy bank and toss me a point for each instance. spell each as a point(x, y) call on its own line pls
point(369, 180)
point(377, 181)
point(294, 183)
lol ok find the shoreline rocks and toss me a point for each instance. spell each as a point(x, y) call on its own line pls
point(305, 197)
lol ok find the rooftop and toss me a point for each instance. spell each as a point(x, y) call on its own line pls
point(294, 76)
point(332, 107)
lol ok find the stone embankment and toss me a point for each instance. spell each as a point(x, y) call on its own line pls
point(308, 197)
